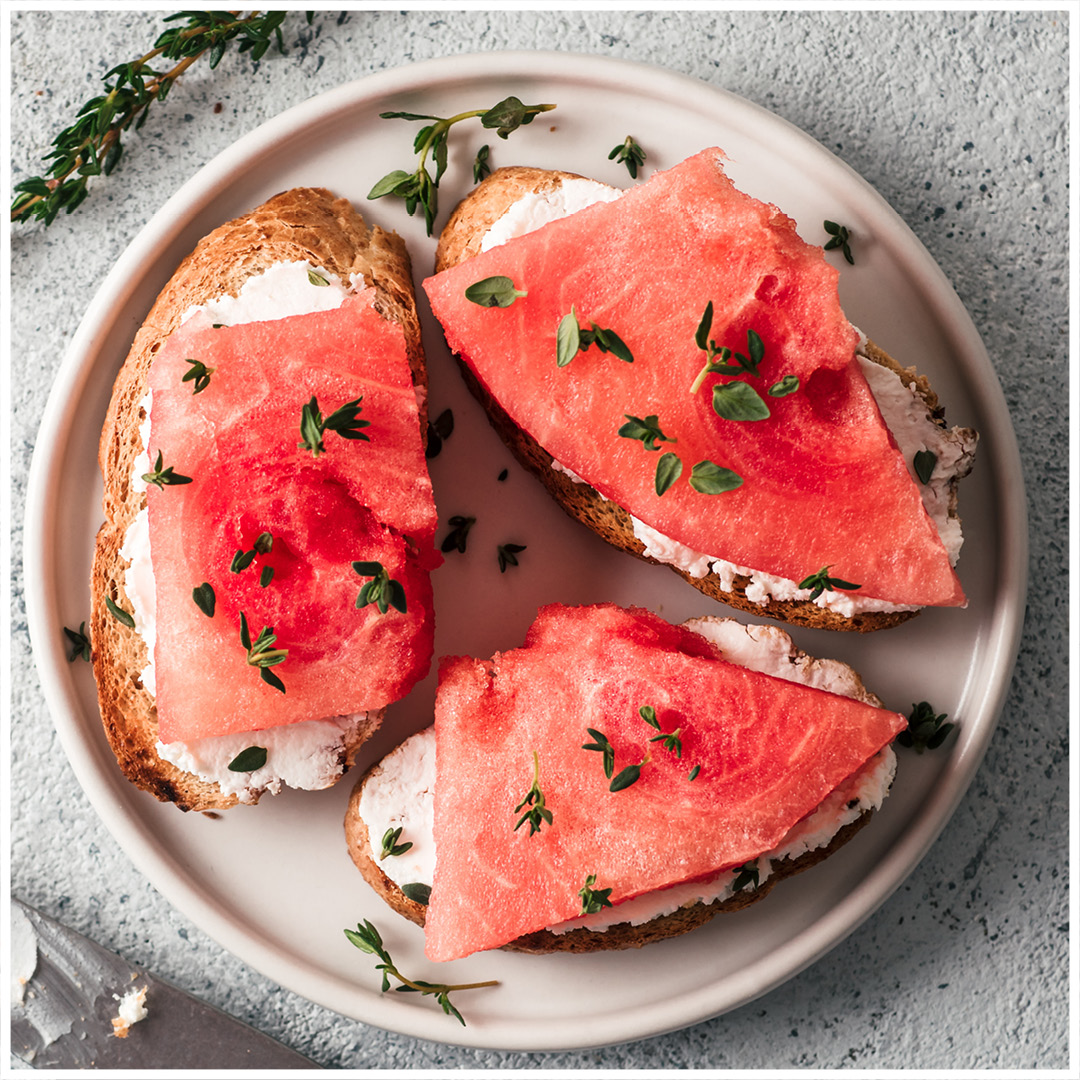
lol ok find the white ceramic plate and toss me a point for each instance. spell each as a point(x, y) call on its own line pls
point(273, 884)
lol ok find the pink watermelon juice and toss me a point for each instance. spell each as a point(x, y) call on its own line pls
point(822, 481)
point(755, 756)
point(358, 500)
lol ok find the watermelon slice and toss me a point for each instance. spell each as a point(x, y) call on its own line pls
point(823, 483)
point(357, 501)
point(768, 753)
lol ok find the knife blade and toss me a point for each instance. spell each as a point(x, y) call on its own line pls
point(67, 991)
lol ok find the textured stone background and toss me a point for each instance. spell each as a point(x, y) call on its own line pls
point(960, 120)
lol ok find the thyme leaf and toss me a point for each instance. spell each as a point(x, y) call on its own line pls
point(481, 168)
point(438, 431)
point(821, 582)
point(390, 845)
point(118, 613)
point(787, 385)
point(570, 339)
point(602, 744)
point(420, 188)
point(164, 477)
point(592, 900)
point(254, 757)
point(748, 874)
point(318, 280)
point(647, 430)
point(418, 892)
point(841, 238)
point(507, 555)
point(497, 291)
point(668, 470)
point(80, 642)
point(456, 538)
point(382, 590)
point(708, 478)
point(366, 938)
point(261, 654)
point(199, 374)
point(924, 463)
point(630, 154)
point(926, 729)
point(343, 420)
point(204, 598)
point(738, 401)
point(534, 798)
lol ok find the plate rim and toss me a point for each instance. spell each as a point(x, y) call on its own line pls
point(436, 76)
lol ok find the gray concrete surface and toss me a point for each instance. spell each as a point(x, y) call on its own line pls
point(960, 119)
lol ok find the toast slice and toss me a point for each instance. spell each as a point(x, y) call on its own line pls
point(763, 648)
point(301, 224)
point(461, 240)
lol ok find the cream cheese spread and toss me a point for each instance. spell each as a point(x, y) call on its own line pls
point(902, 409)
point(400, 792)
point(309, 754)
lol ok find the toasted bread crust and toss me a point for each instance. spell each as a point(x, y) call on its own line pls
point(582, 940)
point(303, 223)
point(460, 240)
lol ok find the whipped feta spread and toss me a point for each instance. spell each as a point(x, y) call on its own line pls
point(902, 409)
point(400, 792)
point(309, 754)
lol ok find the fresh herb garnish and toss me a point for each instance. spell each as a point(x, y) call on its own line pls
point(91, 146)
point(820, 582)
point(747, 874)
point(570, 339)
point(592, 900)
point(539, 813)
point(390, 845)
point(80, 642)
point(738, 401)
point(420, 188)
point(647, 430)
point(254, 757)
point(668, 470)
point(503, 475)
point(708, 478)
point(458, 534)
point(418, 892)
point(480, 167)
point(507, 555)
point(693, 774)
point(382, 590)
point(118, 613)
point(498, 291)
point(264, 543)
point(671, 741)
point(366, 938)
point(717, 357)
point(204, 598)
point(924, 462)
point(163, 477)
point(266, 576)
point(199, 374)
point(261, 655)
point(602, 744)
point(787, 385)
point(630, 154)
point(343, 420)
point(841, 238)
point(317, 279)
point(630, 775)
point(926, 729)
point(438, 430)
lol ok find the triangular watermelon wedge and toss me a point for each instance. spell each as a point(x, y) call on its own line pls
point(357, 501)
point(823, 483)
point(768, 752)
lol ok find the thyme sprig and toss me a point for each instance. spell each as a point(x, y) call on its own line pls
point(570, 339)
point(92, 146)
point(366, 938)
point(821, 582)
point(507, 555)
point(602, 744)
point(390, 845)
point(458, 535)
point(382, 590)
point(841, 238)
point(747, 874)
point(671, 740)
point(80, 642)
point(420, 188)
point(592, 900)
point(926, 729)
point(164, 477)
point(630, 154)
point(199, 374)
point(343, 420)
point(647, 430)
point(264, 543)
point(534, 798)
point(261, 654)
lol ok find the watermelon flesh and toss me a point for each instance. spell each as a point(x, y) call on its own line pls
point(823, 481)
point(367, 501)
point(769, 752)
